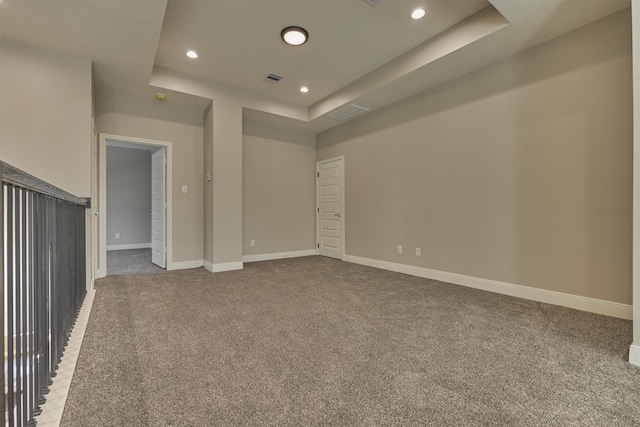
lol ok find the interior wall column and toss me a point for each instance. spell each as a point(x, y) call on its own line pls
point(223, 163)
point(634, 351)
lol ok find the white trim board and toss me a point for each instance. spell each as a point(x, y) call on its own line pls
point(53, 408)
point(607, 308)
point(127, 247)
point(184, 265)
point(219, 268)
point(279, 255)
point(634, 354)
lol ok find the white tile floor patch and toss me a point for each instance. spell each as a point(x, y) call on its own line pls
point(54, 406)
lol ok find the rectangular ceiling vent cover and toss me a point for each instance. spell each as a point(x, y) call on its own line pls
point(372, 2)
point(347, 112)
point(273, 79)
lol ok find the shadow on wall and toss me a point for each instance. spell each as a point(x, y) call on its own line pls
point(536, 64)
point(520, 172)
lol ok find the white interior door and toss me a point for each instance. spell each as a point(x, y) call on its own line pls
point(330, 212)
point(158, 205)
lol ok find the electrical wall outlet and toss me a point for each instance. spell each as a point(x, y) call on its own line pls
point(117, 235)
point(418, 253)
point(399, 249)
point(252, 242)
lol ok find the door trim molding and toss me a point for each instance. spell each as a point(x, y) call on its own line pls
point(102, 185)
point(343, 234)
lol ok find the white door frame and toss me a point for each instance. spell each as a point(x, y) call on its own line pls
point(158, 213)
point(343, 238)
point(102, 184)
point(95, 236)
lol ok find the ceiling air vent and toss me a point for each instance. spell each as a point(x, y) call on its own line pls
point(347, 112)
point(273, 79)
point(371, 2)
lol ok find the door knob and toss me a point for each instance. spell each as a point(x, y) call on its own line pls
point(338, 214)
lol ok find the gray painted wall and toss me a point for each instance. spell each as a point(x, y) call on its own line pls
point(278, 190)
point(519, 172)
point(45, 116)
point(183, 127)
point(128, 196)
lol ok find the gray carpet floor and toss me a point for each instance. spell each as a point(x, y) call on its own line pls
point(131, 261)
point(315, 341)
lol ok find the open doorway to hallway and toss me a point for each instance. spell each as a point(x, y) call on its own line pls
point(135, 206)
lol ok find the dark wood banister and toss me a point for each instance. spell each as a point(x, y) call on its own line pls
point(14, 176)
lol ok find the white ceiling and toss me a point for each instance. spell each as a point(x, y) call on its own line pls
point(370, 56)
point(238, 41)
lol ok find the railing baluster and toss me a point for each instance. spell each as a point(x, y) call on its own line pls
point(26, 296)
point(17, 307)
point(31, 320)
point(10, 305)
point(20, 298)
point(3, 250)
point(41, 279)
point(43, 274)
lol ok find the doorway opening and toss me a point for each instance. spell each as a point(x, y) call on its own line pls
point(134, 205)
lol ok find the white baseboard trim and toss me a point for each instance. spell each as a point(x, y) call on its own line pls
point(183, 265)
point(126, 247)
point(607, 308)
point(53, 408)
point(279, 255)
point(219, 268)
point(634, 354)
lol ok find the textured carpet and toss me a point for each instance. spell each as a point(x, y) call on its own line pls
point(131, 261)
point(315, 341)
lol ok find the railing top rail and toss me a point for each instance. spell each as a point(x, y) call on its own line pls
point(14, 176)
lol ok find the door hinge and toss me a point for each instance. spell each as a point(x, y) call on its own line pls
point(318, 245)
point(317, 210)
point(318, 174)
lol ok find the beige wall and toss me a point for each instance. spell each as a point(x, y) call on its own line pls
point(227, 183)
point(278, 190)
point(208, 186)
point(520, 172)
point(45, 116)
point(126, 116)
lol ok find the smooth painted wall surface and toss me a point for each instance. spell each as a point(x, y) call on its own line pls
point(278, 190)
point(208, 185)
point(227, 182)
point(45, 116)
point(520, 172)
point(127, 116)
point(128, 196)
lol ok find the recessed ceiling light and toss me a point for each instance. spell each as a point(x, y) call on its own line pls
point(295, 36)
point(192, 54)
point(304, 89)
point(418, 13)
